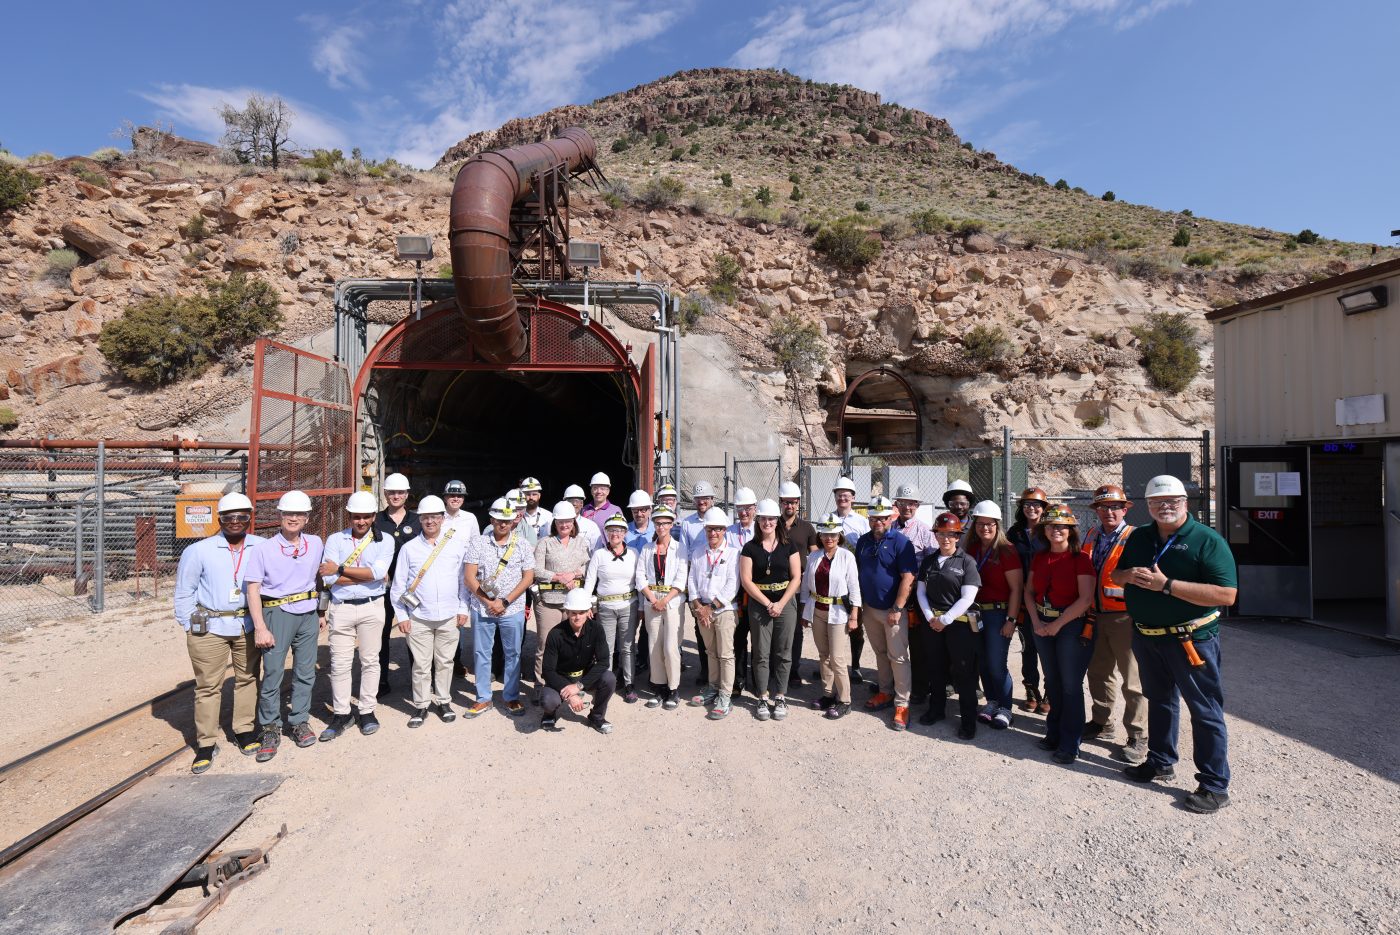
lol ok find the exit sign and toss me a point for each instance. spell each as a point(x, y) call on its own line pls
point(1266, 514)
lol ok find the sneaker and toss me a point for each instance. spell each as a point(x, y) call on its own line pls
point(721, 709)
point(901, 717)
point(303, 734)
point(548, 723)
point(704, 699)
point(838, 710)
point(445, 713)
point(780, 709)
point(672, 702)
point(1094, 730)
point(337, 725)
point(1205, 803)
point(601, 725)
point(655, 700)
point(1134, 752)
point(879, 702)
point(824, 703)
point(419, 716)
point(932, 715)
point(1146, 772)
point(368, 723)
point(203, 759)
point(1002, 719)
point(248, 742)
point(515, 708)
point(478, 709)
point(987, 713)
point(1043, 707)
point(630, 696)
point(761, 712)
point(271, 740)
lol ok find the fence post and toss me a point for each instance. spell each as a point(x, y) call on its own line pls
point(846, 457)
point(1205, 478)
point(726, 480)
point(99, 555)
point(1006, 471)
point(243, 473)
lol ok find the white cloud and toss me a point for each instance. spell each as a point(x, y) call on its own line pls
point(335, 55)
point(195, 112)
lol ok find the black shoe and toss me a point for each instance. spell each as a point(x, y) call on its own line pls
point(856, 677)
point(931, 716)
point(1094, 730)
point(459, 671)
point(838, 711)
point(203, 759)
point(383, 688)
point(419, 716)
point(339, 723)
point(368, 723)
point(1146, 772)
point(1205, 803)
point(967, 732)
point(445, 713)
point(271, 739)
point(248, 742)
point(548, 723)
point(1065, 758)
point(1045, 743)
point(824, 703)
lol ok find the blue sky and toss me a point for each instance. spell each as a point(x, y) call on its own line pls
point(1268, 112)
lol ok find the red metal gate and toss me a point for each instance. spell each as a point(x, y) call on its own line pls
point(301, 435)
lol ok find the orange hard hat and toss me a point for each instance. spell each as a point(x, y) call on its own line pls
point(1034, 494)
point(1110, 493)
point(947, 522)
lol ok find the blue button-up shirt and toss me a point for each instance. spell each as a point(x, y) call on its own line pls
point(739, 536)
point(206, 577)
point(638, 538)
point(880, 564)
point(377, 557)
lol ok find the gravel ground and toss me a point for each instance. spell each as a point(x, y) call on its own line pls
point(676, 824)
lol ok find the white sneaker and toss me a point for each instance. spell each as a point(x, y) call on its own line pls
point(1002, 719)
point(987, 713)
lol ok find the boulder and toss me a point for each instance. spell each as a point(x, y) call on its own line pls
point(1061, 276)
point(245, 206)
point(900, 320)
point(41, 296)
point(250, 254)
point(946, 293)
point(82, 321)
point(1042, 309)
point(979, 243)
point(92, 192)
point(771, 279)
point(124, 212)
point(55, 375)
point(95, 238)
point(1030, 294)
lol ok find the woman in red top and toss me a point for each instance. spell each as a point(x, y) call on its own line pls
point(1059, 592)
point(999, 601)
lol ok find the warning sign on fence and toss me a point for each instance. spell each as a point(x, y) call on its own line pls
point(195, 517)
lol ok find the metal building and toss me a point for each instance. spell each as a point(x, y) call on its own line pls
point(1306, 385)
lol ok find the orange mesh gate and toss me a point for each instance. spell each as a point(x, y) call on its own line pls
point(301, 435)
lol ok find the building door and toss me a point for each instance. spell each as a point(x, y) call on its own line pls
point(1392, 540)
point(1268, 528)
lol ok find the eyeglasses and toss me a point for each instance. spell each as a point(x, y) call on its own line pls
point(1166, 501)
point(235, 517)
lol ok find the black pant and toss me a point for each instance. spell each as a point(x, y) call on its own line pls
point(743, 678)
point(602, 693)
point(384, 643)
point(1030, 660)
point(797, 649)
point(958, 650)
point(926, 681)
point(857, 645)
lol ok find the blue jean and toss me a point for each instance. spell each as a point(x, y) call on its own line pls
point(484, 627)
point(296, 633)
point(1167, 677)
point(996, 677)
point(1065, 659)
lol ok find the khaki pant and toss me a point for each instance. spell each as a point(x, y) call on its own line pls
point(891, 645)
point(433, 644)
point(1113, 649)
point(210, 656)
point(834, 650)
point(664, 635)
point(348, 626)
point(547, 617)
point(719, 648)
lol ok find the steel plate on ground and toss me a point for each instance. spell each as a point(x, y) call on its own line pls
point(119, 859)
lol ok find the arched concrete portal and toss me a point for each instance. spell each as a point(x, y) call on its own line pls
point(880, 412)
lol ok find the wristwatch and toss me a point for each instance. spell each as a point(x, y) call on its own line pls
point(340, 570)
point(1167, 587)
point(897, 609)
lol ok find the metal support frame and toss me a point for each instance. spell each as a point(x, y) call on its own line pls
point(99, 562)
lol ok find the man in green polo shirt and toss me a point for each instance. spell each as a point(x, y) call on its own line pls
point(1177, 575)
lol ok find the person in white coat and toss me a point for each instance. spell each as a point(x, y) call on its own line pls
point(612, 575)
point(662, 570)
point(831, 607)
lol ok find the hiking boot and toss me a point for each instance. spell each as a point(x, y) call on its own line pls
point(721, 709)
point(419, 716)
point(271, 740)
point(1093, 729)
point(1146, 772)
point(248, 742)
point(203, 759)
point(879, 702)
point(303, 734)
point(761, 712)
point(705, 699)
point(901, 717)
point(780, 709)
point(1134, 752)
point(548, 723)
point(1205, 803)
point(337, 725)
point(368, 723)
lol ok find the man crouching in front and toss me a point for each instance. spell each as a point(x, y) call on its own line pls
point(576, 659)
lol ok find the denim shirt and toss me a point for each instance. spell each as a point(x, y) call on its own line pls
point(206, 578)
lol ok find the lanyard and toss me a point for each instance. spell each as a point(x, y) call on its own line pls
point(983, 560)
point(1104, 545)
point(298, 550)
point(713, 562)
point(238, 563)
point(1158, 556)
point(659, 561)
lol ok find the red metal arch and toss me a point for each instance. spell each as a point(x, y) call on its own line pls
point(908, 389)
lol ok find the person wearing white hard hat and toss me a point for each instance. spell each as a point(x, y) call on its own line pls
point(640, 531)
point(739, 534)
point(600, 508)
point(999, 602)
point(885, 561)
point(958, 499)
point(770, 572)
point(669, 497)
point(454, 495)
point(906, 521)
point(589, 531)
point(611, 577)
point(398, 524)
point(211, 606)
point(517, 501)
point(662, 572)
point(429, 608)
point(355, 567)
point(831, 602)
point(536, 517)
point(500, 568)
point(692, 535)
point(561, 560)
point(282, 597)
point(1177, 575)
point(712, 587)
point(576, 660)
point(853, 526)
point(803, 537)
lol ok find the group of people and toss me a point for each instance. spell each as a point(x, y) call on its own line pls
point(1135, 611)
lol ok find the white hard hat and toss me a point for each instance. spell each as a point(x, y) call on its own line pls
point(639, 498)
point(830, 524)
point(988, 509)
point(294, 501)
point(431, 504)
point(787, 490)
point(880, 507)
point(957, 486)
point(234, 501)
point(600, 479)
point(768, 508)
point(396, 482)
point(361, 501)
point(531, 484)
point(703, 488)
point(908, 492)
point(663, 512)
point(667, 490)
point(716, 517)
point(564, 510)
point(744, 496)
point(844, 483)
point(616, 522)
point(501, 508)
point(1164, 485)
point(578, 599)
point(573, 492)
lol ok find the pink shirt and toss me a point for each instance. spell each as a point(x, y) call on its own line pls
point(283, 569)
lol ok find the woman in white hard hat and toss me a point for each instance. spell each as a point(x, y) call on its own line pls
point(1059, 592)
point(588, 531)
point(612, 573)
point(1029, 509)
point(712, 585)
point(947, 589)
point(999, 601)
point(831, 607)
point(770, 572)
point(802, 536)
point(640, 531)
point(561, 560)
point(739, 534)
point(576, 661)
point(398, 524)
point(662, 570)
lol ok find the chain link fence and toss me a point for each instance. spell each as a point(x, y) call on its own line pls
point(761, 475)
point(92, 528)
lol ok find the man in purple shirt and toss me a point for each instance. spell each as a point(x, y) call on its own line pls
point(601, 508)
point(282, 584)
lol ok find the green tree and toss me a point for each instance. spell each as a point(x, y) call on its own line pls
point(1109, 196)
point(763, 196)
point(1182, 238)
point(16, 187)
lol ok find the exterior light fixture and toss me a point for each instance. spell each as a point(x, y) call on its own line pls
point(1364, 300)
point(415, 247)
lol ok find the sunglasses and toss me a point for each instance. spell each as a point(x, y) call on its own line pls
point(236, 517)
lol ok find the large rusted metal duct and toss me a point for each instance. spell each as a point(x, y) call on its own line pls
point(479, 232)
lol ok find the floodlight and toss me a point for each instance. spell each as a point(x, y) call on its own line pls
point(416, 247)
point(1364, 300)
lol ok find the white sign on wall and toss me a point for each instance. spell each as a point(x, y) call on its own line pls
point(1361, 410)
